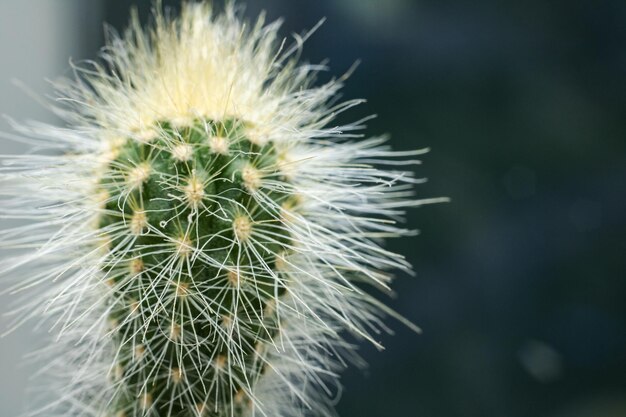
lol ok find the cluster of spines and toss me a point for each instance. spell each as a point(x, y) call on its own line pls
point(211, 265)
point(193, 254)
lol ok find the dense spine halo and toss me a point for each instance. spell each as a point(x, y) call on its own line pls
point(200, 237)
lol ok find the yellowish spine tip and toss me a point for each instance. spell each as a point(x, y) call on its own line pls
point(139, 351)
point(105, 242)
point(182, 289)
point(288, 208)
point(258, 135)
point(138, 175)
point(194, 191)
point(219, 145)
point(113, 147)
point(113, 324)
point(201, 409)
point(145, 402)
point(286, 165)
point(134, 307)
point(118, 372)
point(251, 177)
point(227, 322)
point(242, 226)
point(101, 198)
point(240, 396)
point(144, 133)
point(183, 246)
point(270, 307)
point(177, 375)
point(220, 362)
point(280, 262)
point(138, 223)
point(175, 331)
point(234, 278)
point(136, 266)
point(182, 152)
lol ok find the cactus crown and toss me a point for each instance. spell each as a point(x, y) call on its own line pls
point(203, 238)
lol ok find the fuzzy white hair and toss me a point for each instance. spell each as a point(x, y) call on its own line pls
point(346, 195)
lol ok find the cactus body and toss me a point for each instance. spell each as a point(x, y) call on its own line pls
point(200, 238)
point(194, 265)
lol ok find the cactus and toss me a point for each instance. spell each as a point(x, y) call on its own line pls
point(203, 238)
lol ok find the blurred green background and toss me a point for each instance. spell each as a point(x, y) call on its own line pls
point(520, 283)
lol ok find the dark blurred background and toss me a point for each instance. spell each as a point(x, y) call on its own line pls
point(520, 283)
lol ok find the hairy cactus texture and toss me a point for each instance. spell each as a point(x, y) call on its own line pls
point(197, 236)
